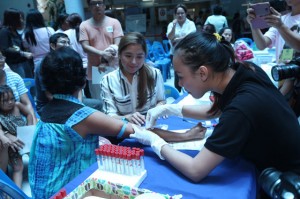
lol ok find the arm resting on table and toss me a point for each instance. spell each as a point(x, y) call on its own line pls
point(195, 133)
point(195, 168)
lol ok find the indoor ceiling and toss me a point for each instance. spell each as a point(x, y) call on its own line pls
point(153, 3)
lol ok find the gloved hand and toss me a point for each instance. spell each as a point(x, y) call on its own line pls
point(148, 138)
point(163, 110)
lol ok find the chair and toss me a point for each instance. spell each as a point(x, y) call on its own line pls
point(8, 187)
point(160, 60)
point(166, 47)
point(30, 84)
point(171, 91)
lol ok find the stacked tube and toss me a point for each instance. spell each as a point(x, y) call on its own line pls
point(120, 159)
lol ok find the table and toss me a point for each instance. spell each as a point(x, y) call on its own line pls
point(231, 179)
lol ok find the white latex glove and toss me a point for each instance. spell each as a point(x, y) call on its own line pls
point(148, 138)
point(163, 110)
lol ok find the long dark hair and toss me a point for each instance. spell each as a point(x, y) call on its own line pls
point(198, 49)
point(146, 79)
point(12, 18)
point(74, 21)
point(34, 20)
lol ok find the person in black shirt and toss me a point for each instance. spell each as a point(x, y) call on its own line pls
point(255, 121)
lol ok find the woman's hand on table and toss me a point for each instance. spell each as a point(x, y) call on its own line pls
point(195, 133)
point(136, 118)
point(163, 110)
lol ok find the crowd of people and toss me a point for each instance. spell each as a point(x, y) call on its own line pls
point(74, 110)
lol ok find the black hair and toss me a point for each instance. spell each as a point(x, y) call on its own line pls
point(62, 71)
point(12, 18)
point(180, 6)
point(54, 38)
point(74, 21)
point(60, 20)
point(146, 79)
point(34, 20)
point(198, 49)
point(222, 30)
point(217, 10)
point(209, 28)
point(5, 90)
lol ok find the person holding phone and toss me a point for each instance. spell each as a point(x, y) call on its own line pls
point(279, 32)
point(280, 35)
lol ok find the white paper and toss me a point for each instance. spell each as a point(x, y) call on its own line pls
point(25, 134)
point(97, 75)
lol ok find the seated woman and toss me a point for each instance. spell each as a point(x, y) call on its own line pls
point(67, 132)
point(135, 87)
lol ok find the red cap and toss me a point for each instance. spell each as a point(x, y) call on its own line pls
point(63, 192)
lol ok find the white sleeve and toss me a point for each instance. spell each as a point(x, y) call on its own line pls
point(109, 107)
point(160, 87)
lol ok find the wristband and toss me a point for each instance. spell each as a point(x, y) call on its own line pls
point(119, 136)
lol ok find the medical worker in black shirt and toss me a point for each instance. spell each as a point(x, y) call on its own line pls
point(255, 121)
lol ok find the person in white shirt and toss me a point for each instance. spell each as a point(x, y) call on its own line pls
point(217, 19)
point(61, 23)
point(177, 30)
point(281, 36)
point(36, 36)
point(74, 20)
point(131, 90)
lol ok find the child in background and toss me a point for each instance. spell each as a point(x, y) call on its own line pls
point(11, 116)
point(226, 32)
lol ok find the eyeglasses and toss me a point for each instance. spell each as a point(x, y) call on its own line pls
point(64, 43)
point(97, 3)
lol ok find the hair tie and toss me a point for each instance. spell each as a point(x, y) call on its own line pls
point(218, 37)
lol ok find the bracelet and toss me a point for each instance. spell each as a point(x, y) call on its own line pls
point(119, 136)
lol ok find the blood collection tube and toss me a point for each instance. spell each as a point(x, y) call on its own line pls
point(129, 163)
point(126, 168)
point(142, 160)
point(138, 162)
point(97, 151)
